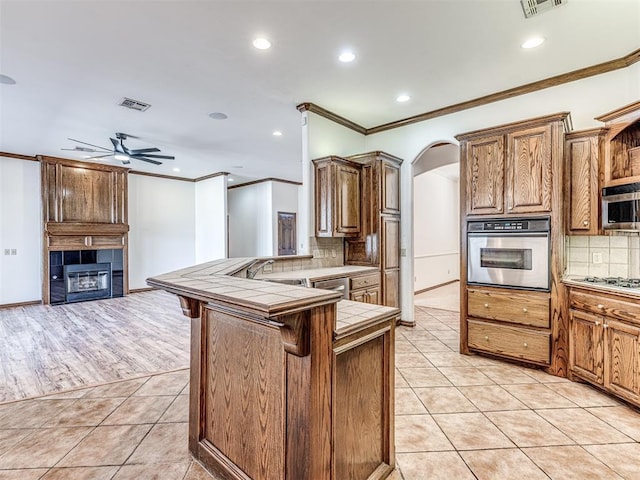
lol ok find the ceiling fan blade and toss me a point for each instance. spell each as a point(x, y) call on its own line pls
point(90, 144)
point(144, 159)
point(100, 156)
point(80, 149)
point(165, 157)
point(143, 151)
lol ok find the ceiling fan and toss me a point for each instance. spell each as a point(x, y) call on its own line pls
point(120, 152)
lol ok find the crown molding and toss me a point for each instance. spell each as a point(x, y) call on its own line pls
point(616, 64)
point(262, 181)
point(18, 156)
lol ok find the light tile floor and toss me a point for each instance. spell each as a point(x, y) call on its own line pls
point(457, 417)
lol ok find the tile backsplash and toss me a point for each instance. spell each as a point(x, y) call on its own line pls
point(603, 256)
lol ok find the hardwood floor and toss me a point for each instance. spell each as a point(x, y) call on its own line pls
point(47, 349)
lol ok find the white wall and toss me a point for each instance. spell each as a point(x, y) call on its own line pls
point(250, 220)
point(211, 219)
point(162, 234)
point(436, 234)
point(20, 229)
point(284, 198)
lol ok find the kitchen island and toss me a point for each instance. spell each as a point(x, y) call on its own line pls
point(287, 382)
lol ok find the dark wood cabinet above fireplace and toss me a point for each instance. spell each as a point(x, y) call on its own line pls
point(84, 207)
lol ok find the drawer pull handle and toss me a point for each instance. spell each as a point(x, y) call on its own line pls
point(486, 337)
point(600, 306)
point(525, 344)
point(524, 310)
point(585, 223)
point(486, 305)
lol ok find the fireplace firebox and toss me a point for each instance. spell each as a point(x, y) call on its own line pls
point(87, 282)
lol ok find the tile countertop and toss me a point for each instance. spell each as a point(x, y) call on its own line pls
point(214, 281)
point(317, 274)
point(577, 281)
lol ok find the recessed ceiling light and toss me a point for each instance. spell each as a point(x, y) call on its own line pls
point(119, 156)
point(6, 80)
point(229, 179)
point(236, 166)
point(347, 56)
point(176, 169)
point(218, 115)
point(262, 43)
point(533, 42)
point(403, 98)
point(277, 133)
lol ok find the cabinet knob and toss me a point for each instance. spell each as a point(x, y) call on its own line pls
point(525, 344)
point(605, 326)
point(525, 310)
point(486, 337)
point(597, 323)
point(486, 305)
point(600, 306)
point(585, 223)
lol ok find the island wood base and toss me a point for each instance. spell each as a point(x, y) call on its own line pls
point(290, 398)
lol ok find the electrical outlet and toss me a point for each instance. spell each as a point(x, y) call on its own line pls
point(7, 251)
point(403, 252)
point(333, 253)
point(596, 257)
point(268, 268)
point(14, 251)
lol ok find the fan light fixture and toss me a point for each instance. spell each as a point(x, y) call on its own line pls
point(119, 156)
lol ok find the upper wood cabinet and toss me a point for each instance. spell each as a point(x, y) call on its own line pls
point(582, 184)
point(509, 169)
point(337, 197)
point(622, 145)
point(485, 175)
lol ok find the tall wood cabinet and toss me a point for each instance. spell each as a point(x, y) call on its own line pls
point(378, 244)
point(515, 171)
point(583, 152)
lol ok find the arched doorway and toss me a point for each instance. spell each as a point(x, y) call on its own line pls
point(436, 226)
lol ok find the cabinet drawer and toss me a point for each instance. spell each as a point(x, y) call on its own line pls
point(510, 341)
point(610, 306)
point(115, 241)
point(65, 241)
point(530, 308)
point(365, 281)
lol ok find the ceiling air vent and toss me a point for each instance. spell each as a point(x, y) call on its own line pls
point(535, 7)
point(134, 104)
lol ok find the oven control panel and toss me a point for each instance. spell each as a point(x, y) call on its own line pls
point(509, 225)
point(492, 226)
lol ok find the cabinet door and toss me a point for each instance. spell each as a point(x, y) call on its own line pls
point(373, 296)
point(347, 200)
point(586, 346)
point(622, 352)
point(390, 242)
point(391, 288)
point(390, 183)
point(359, 296)
point(529, 185)
point(582, 162)
point(485, 175)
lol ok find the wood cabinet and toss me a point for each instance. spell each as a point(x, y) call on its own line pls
point(622, 145)
point(366, 288)
point(605, 342)
point(508, 169)
point(509, 323)
point(337, 197)
point(378, 244)
point(583, 152)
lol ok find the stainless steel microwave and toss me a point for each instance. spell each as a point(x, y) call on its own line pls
point(621, 207)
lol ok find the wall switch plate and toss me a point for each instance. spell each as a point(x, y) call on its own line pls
point(14, 251)
point(403, 252)
point(596, 257)
point(333, 253)
point(268, 268)
point(7, 251)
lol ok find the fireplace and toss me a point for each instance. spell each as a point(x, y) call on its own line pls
point(87, 282)
point(80, 275)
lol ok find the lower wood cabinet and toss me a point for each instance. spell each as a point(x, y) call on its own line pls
point(509, 323)
point(366, 289)
point(604, 342)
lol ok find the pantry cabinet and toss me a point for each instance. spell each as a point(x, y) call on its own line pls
point(583, 154)
point(605, 341)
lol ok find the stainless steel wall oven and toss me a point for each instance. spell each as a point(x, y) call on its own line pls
point(509, 253)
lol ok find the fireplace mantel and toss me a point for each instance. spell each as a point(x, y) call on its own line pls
point(84, 208)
